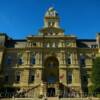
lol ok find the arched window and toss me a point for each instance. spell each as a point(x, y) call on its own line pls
point(9, 60)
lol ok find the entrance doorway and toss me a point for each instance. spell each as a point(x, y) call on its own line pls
point(51, 92)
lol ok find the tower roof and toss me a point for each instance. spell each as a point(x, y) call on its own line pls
point(51, 12)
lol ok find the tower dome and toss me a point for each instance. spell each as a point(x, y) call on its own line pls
point(51, 12)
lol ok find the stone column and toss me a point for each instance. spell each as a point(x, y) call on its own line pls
point(25, 77)
point(76, 77)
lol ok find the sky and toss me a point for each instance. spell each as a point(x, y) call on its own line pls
point(20, 18)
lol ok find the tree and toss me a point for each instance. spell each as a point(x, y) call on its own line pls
point(96, 75)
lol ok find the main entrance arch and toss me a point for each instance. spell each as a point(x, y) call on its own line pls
point(51, 75)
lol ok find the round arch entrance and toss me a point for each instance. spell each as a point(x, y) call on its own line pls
point(51, 75)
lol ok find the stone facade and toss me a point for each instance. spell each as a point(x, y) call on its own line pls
point(49, 63)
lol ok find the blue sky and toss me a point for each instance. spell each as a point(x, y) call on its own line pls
point(19, 18)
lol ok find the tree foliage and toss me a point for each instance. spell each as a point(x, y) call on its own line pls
point(96, 75)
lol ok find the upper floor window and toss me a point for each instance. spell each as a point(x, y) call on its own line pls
point(82, 60)
point(33, 59)
point(9, 60)
point(17, 78)
point(84, 78)
point(31, 78)
point(69, 59)
point(94, 46)
point(69, 77)
point(34, 43)
point(20, 61)
point(6, 78)
point(1, 43)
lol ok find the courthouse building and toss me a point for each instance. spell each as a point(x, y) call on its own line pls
point(49, 63)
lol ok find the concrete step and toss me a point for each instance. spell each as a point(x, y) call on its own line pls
point(52, 98)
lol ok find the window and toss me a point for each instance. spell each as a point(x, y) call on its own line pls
point(6, 79)
point(1, 43)
point(69, 77)
point(82, 60)
point(20, 61)
point(69, 60)
point(31, 79)
point(33, 44)
point(17, 78)
point(84, 78)
point(32, 60)
point(93, 46)
point(9, 60)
